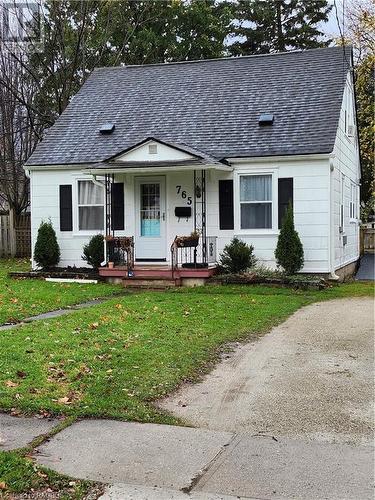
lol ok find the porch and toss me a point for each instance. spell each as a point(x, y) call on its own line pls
point(168, 242)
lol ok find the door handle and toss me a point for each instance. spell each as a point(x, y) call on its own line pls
point(163, 216)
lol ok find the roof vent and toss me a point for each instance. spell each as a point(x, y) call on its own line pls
point(152, 149)
point(107, 128)
point(266, 119)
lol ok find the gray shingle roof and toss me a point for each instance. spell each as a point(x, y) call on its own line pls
point(212, 106)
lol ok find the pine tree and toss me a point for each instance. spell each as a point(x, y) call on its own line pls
point(279, 25)
point(289, 249)
point(46, 251)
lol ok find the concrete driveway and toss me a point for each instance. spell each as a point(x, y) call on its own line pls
point(310, 378)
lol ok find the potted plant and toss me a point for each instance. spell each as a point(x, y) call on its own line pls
point(188, 241)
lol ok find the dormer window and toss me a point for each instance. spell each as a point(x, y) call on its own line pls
point(152, 149)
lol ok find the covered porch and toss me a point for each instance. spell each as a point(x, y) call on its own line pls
point(156, 220)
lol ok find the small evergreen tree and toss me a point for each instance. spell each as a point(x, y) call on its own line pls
point(237, 257)
point(47, 250)
point(289, 249)
point(93, 252)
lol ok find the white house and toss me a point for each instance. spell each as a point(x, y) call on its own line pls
point(218, 146)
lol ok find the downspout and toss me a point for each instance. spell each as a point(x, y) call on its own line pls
point(333, 276)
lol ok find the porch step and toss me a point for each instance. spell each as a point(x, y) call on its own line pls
point(152, 282)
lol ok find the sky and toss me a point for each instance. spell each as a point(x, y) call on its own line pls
point(331, 28)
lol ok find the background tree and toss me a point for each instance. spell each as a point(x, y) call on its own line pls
point(279, 25)
point(360, 33)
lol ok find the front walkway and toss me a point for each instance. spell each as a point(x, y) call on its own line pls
point(366, 271)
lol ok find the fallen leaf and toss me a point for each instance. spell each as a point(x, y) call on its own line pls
point(3, 485)
point(21, 374)
point(64, 401)
point(94, 326)
point(9, 383)
point(118, 306)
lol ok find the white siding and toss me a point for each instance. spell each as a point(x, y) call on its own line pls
point(346, 168)
point(311, 209)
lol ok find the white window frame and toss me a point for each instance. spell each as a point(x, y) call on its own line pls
point(353, 205)
point(342, 204)
point(88, 232)
point(256, 171)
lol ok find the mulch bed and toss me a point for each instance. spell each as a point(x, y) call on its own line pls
point(254, 279)
point(59, 272)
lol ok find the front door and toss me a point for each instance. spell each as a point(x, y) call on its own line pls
point(150, 239)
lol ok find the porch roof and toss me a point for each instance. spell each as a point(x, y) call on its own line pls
point(156, 166)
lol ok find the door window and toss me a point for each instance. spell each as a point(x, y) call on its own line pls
point(150, 209)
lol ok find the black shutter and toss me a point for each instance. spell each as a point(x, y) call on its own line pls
point(226, 215)
point(66, 209)
point(117, 206)
point(285, 196)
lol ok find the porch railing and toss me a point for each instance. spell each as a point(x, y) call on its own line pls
point(120, 251)
point(193, 257)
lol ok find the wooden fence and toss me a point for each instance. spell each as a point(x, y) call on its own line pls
point(368, 239)
point(15, 236)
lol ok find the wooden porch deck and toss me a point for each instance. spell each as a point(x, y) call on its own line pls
point(157, 276)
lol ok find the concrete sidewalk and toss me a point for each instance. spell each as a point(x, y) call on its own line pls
point(199, 461)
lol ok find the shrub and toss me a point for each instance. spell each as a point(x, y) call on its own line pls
point(289, 249)
point(237, 257)
point(93, 252)
point(46, 250)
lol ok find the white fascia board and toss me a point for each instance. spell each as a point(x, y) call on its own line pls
point(30, 168)
point(153, 170)
point(268, 159)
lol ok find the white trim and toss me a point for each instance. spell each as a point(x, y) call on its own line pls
point(346, 263)
point(153, 170)
point(68, 166)
point(273, 159)
point(273, 171)
point(76, 230)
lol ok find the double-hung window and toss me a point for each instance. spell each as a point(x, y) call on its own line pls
point(342, 201)
point(256, 201)
point(353, 201)
point(90, 206)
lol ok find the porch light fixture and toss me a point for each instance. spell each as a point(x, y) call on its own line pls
point(266, 119)
point(107, 128)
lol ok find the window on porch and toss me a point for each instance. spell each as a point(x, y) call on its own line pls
point(90, 206)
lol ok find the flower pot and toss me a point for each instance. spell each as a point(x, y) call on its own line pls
point(111, 265)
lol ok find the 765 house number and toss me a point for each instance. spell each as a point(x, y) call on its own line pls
point(184, 195)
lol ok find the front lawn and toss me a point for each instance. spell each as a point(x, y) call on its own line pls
point(18, 473)
point(113, 359)
point(20, 298)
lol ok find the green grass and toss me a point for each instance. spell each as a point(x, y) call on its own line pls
point(18, 473)
point(114, 359)
point(20, 298)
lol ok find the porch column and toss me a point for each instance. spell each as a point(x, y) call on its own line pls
point(200, 209)
point(109, 178)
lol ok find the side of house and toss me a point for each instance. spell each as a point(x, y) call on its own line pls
point(344, 191)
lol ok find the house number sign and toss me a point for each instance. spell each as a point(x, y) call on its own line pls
point(184, 195)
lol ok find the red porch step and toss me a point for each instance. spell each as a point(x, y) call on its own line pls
point(153, 276)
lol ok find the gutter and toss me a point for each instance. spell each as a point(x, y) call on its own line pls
point(268, 159)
